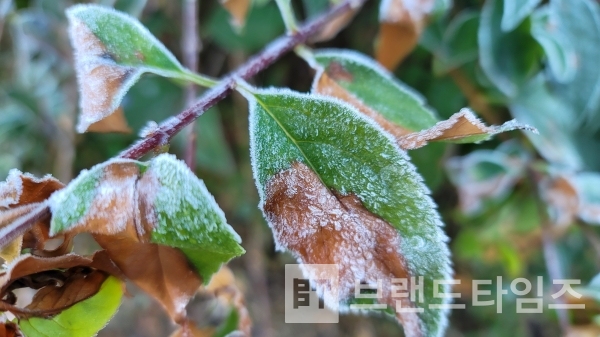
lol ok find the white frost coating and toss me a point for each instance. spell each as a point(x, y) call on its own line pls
point(420, 260)
point(12, 189)
point(150, 128)
point(103, 82)
point(418, 139)
point(368, 62)
point(167, 168)
point(107, 205)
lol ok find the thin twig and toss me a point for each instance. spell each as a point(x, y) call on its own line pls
point(190, 45)
point(172, 126)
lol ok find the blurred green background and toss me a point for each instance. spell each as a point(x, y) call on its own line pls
point(532, 60)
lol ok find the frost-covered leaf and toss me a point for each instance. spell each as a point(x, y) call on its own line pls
point(486, 174)
point(561, 57)
point(462, 127)
point(401, 24)
point(20, 194)
point(515, 11)
point(238, 9)
point(83, 319)
point(508, 59)
point(112, 50)
point(358, 80)
point(157, 212)
point(336, 189)
point(115, 122)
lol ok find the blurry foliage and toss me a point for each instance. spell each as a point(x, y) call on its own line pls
point(540, 66)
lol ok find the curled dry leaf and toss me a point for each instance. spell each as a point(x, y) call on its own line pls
point(157, 222)
point(401, 25)
point(20, 194)
point(238, 10)
point(462, 127)
point(572, 195)
point(224, 288)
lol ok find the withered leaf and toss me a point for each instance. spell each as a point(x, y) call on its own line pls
point(462, 127)
point(53, 299)
point(115, 122)
point(320, 227)
point(9, 329)
point(333, 27)
point(238, 10)
point(402, 22)
point(20, 194)
point(163, 272)
point(189, 329)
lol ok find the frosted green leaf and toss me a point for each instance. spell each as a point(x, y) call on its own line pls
point(323, 153)
point(458, 44)
point(376, 87)
point(83, 319)
point(508, 59)
point(187, 216)
point(161, 196)
point(515, 11)
point(112, 51)
point(560, 55)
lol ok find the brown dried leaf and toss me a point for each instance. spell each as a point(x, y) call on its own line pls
point(9, 329)
point(238, 10)
point(20, 194)
point(327, 85)
point(162, 272)
point(78, 287)
point(23, 188)
point(115, 122)
point(402, 23)
point(333, 27)
point(562, 198)
point(463, 126)
point(223, 286)
point(321, 227)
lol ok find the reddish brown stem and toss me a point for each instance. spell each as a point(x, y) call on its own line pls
point(190, 44)
point(172, 126)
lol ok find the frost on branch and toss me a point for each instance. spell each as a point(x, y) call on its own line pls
point(158, 213)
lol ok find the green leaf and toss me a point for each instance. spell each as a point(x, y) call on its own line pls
point(459, 43)
point(350, 156)
point(377, 88)
point(112, 51)
point(189, 218)
point(515, 11)
point(508, 59)
point(83, 319)
point(536, 106)
point(578, 21)
point(560, 55)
